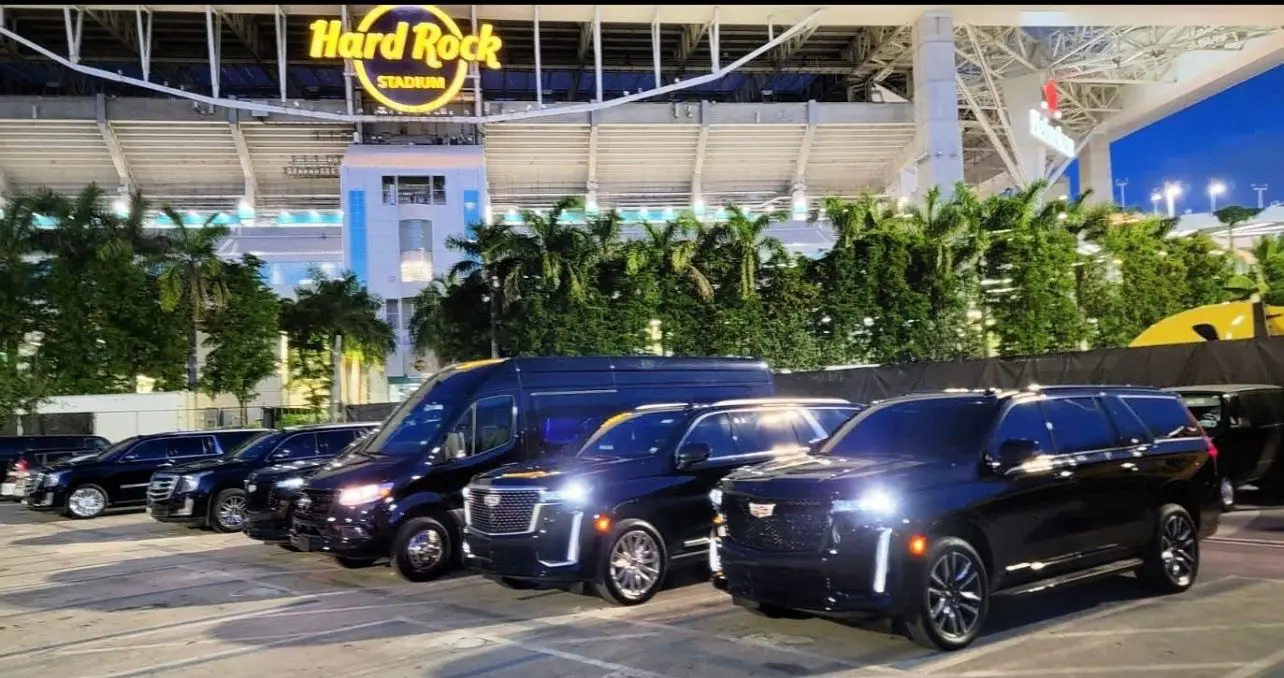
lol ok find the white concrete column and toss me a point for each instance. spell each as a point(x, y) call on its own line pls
point(1020, 96)
point(1094, 170)
point(904, 187)
point(936, 105)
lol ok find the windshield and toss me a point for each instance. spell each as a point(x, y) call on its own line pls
point(414, 427)
point(632, 434)
point(922, 428)
point(1206, 408)
point(255, 448)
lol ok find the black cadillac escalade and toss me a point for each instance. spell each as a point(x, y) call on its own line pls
point(922, 507)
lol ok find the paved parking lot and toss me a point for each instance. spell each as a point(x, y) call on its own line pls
point(125, 596)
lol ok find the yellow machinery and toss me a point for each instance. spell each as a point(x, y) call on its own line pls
point(1217, 322)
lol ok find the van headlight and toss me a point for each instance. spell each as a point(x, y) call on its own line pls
point(573, 492)
point(715, 496)
point(876, 501)
point(364, 494)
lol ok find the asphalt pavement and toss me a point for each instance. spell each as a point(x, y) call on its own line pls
point(125, 596)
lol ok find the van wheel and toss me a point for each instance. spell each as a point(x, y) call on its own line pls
point(227, 512)
point(953, 598)
point(85, 502)
point(633, 568)
point(1172, 559)
point(422, 550)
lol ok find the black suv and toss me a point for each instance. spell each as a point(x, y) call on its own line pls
point(922, 507)
point(634, 500)
point(210, 492)
point(84, 487)
point(270, 493)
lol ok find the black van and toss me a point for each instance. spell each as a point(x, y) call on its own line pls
point(84, 487)
point(401, 496)
point(1246, 423)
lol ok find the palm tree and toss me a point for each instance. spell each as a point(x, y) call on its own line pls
point(669, 249)
point(191, 274)
point(746, 239)
point(553, 251)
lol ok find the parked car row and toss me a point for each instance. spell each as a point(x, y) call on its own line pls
point(607, 474)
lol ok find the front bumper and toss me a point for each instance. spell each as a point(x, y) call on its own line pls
point(860, 575)
point(343, 531)
point(46, 498)
point(561, 550)
point(189, 508)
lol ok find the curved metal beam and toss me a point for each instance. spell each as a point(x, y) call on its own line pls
point(781, 39)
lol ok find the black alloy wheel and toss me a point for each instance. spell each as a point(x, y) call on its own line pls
point(954, 597)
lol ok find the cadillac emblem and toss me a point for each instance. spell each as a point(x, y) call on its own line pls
point(761, 510)
point(491, 500)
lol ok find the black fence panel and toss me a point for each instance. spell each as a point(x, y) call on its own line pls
point(369, 412)
point(1255, 361)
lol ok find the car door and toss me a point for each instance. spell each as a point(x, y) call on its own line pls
point(127, 481)
point(687, 514)
point(1089, 527)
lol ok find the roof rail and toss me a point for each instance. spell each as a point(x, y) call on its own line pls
point(660, 406)
point(783, 401)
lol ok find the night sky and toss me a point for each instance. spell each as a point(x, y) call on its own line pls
point(1236, 136)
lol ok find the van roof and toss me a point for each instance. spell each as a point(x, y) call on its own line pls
point(607, 363)
point(326, 427)
point(742, 402)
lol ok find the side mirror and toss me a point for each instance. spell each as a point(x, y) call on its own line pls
point(814, 445)
point(693, 453)
point(1017, 451)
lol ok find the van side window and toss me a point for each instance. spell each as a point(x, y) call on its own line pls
point(488, 424)
point(1078, 425)
point(1166, 417)
point(714, 431)
point(1024, 421)
point(561, 422)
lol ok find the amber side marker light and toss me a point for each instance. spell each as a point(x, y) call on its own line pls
point(718, 519)
point(602, 524)
point(918, 545)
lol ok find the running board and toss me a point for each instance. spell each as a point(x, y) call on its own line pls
point(1109, 569)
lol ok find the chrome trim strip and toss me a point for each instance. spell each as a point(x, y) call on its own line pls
point(133, 485)
point(699, 541)
point(880, 560)
point(573, 548)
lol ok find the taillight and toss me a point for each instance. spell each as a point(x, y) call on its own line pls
point(21, 466)
point(1212, 449)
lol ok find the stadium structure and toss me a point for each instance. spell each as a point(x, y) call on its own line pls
point(233, 111)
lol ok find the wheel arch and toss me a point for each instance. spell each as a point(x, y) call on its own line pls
point(969, 528)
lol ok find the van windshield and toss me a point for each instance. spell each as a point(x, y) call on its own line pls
point(632, 434)
point(414, 428)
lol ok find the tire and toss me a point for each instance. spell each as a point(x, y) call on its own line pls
point(227, 511)
point(952, 570)
point(633, 568)
point(1171, 561)
point(353, 563)
point(423, 550)
point(86, 510)
point(1226, 490)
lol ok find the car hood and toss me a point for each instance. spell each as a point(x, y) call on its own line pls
point(209, 465)
point(303, 467)
point(360, 470)
point(557, 470)
point(824, 477)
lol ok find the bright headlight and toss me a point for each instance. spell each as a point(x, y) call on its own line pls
point(715, 496)
point(873, 502)
point(364, 494)
point(189, 482)
point(571, 493)
point(53, 478)
point(290, 483)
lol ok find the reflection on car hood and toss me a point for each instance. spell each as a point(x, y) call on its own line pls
point(221, 464)
point(556, 470)
point(360, 470)
point(824, 477)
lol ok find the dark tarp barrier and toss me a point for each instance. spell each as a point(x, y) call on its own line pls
point(369, 412)
point(1248, 361)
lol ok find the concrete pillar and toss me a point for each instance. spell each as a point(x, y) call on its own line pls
point(904, 187)
point(1094, 170)
point(936, 105)
point(1020, 96)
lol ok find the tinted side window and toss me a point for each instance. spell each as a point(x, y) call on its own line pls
point(1165, 417)
point(714, 431)
point(51, 443)
point(495, 423)
point(830, 418)
point(766, 430)
point(297, 446)
point(189, 446)
point(148, 450)
point(1025, 421)
point(1078, 425)
point(1132, 431)
point(330, 442)
point(562, 422)
point(232, 439)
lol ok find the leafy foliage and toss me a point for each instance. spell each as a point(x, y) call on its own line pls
point(241, 334)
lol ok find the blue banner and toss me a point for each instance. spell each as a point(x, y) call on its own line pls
point(357, 235)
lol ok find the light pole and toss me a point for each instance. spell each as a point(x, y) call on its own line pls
point(1261, 195)
point(494, 316)
point(1171, 193)
point(1154, 202)
point(1215, 188)
point(1121, 183)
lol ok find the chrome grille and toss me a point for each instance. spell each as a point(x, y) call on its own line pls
point(161, 487)
point(34, 481)
point(792, 526)
point(317, 504)
point(501, 511)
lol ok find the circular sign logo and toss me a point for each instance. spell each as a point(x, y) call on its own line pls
point(410, 58)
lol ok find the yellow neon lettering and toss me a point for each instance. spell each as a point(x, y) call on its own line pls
point(350, 45)
point(488, 45)
point(448, 48)
point(373, 41)
point(425, 46)
point(394, 45)
point(325, 39)
point(410, 82)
